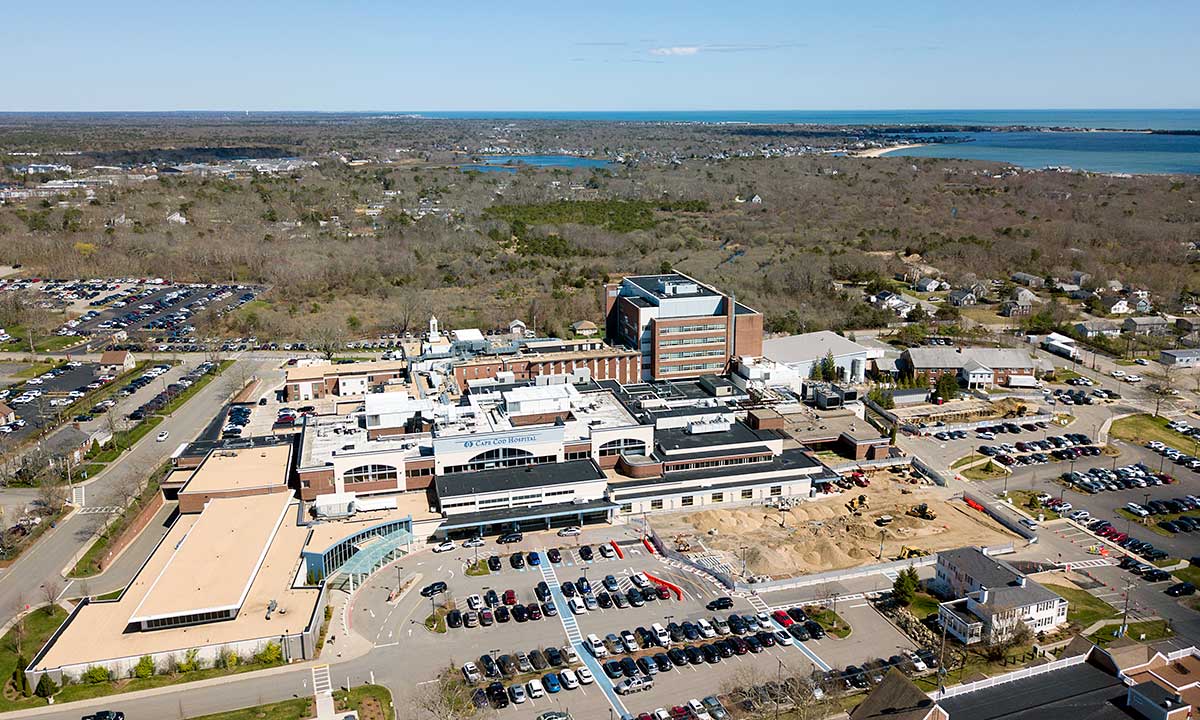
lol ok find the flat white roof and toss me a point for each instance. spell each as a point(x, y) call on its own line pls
point(213, 566)
point(809, 347)
point(241, 468)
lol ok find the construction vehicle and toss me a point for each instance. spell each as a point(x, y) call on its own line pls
point(857, 505)
point(922, 511)
point(883, 520)
point(907, 553)
point(682, 544)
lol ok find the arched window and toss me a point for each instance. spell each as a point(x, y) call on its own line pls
point(623, 446)
point(370, 473)
point(499, 458)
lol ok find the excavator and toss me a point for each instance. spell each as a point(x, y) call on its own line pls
point(857, 505)
point(922, 511)
point(907, 553)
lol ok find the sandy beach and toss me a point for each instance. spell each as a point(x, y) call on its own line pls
point(880, 152)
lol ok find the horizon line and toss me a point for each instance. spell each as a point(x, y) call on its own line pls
point(612, 110)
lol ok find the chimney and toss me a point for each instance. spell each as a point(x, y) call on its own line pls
point(1021, 581)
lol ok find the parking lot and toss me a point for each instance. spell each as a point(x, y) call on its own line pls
point(388, 623)
point(40, 402)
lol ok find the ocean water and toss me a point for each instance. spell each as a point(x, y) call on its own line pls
point(1111, 152)
point(513, 163)
point(1123, 119)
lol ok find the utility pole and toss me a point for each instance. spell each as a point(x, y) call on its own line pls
point(779, 680)
point(1125, 614)
point(942, 664)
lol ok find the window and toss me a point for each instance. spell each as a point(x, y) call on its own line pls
point(623, 446)
point(686, 501)
point(501, 457)
point(577, 455)
point(419, 472)
point(776, 490)
point(370, 473)
point(678, 329)
point(718, 497)
point(709, 340)
point(558, 493)
point(691, 367)
point(748, 494)
point(656, 504)
point(626, 508)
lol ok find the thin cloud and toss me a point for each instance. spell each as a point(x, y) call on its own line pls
point(679, 51)
point(689, 50)
point(603, 44)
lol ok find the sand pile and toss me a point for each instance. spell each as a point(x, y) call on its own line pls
point(823, 535)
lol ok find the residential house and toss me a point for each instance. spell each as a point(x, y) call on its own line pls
point(1141, 303)
point(1176, 358)
point(1187, 324)
point(584, 328)
point(7, 414)
point(962, 298)
point(1080, 278)
point(1114, 305)
point(115, 362)
point(1028, 280)
point(993, 598)
point(517, 329)
point(1019, 304)
point(1147, 325)
point(979, 290)
point(927, 284)
point(1081, 294)
point(1097, 328)
point(976, 367)
point(1114, 285)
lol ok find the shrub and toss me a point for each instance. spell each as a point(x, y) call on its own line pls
point(269, 654)
point(95, 674)
point(144, 667)
point(46, 687)
point(190, 662)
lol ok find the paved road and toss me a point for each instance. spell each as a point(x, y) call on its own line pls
point(25, 581)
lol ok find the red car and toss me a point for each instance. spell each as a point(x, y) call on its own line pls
point(1117, 537)
point(781, 617)
point(510, 597)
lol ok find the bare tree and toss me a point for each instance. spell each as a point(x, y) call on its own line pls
point(447, 699)
point(326, 338)
point(52, 492)
point(51, 590)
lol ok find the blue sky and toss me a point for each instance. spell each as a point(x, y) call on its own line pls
point(652, 54)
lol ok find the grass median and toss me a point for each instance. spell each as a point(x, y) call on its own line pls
point(990, 470)
point(1141, 429)
point(1083, 608)
point(1147, 631)
point(371, 702)
point(23, 642)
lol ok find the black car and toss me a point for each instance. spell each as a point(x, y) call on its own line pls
point(725, 648)
point(799, 632)
point(629, 667)
point(855, 676)
point(494, 563)
point(721, 603)
point(1181, 589)
point(814, 628)
point(497, 695)
point(753, 645)
point(502, 614)
point(711, 654)
point(520, 613)
point(491, 598)
point(106, 715)
point(662, 662)
point(1156, 575)
point(612, 668)
point(766, 638)
point(694, 655)
point(517, 560)
point(554, 555)
point(737, 625)
point(538, 660)
point(604, 600)
point(677, 657)
point(454, 618)
point(647, 665)
point(479, 698)
point(508, 538)
point(489, 666)
point(690, 631)
point(433, 589)
point(542, 591)
point(508, 666)
point(586, 553)
point(568, 589)
point(797, 614)
point(635, 597)
point(554, 656)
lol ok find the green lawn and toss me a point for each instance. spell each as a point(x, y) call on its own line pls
point(38, 627)
point(87, 691)
point(34, 369)
point(1141, 429)
point(1024, 500)
point(1083, 608)
point(966, 460)
point(302, 708)
point(1152, 629)
point(478, 568)
point(830, 621)
point(1191, 574)
point(987, 471)
point(923, 605)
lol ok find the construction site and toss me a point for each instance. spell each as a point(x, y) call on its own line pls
point(886, 520)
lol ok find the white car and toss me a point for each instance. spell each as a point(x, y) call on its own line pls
point(34, 381)
point(1142, 361)
point(584, 675)
point(535, 689)
point(471, 672)
point(444, 547)
point(917, 662)
point(1133, 379)
point(568, 678)
point(1118, 373)
point(162, 436)
point(568, 532)
point(1080, 516)
point(578, 606)
point(473, 542)
point(1137, 509)
point(474, 602)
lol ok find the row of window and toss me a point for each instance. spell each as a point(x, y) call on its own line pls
point(678, 329)
point(717, 497)
point(700, 464)
point(370, 473)
point(706, 340)
point(691, 354)
point(623, 446)
point(693, 367)
point(192, 619)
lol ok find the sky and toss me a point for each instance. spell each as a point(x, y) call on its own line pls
point(405, 55)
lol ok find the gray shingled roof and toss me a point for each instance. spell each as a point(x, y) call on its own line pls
point(948, 357)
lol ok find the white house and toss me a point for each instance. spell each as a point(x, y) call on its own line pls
point(993, 598)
